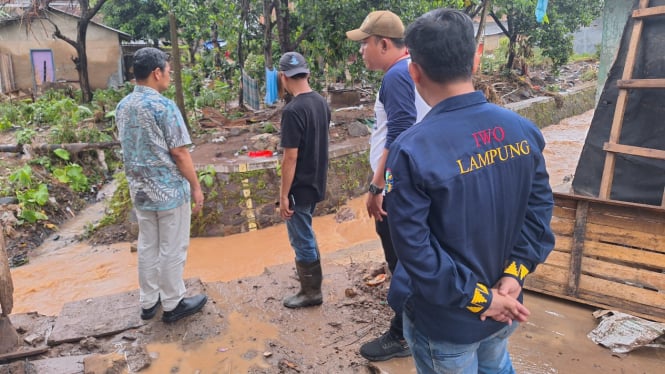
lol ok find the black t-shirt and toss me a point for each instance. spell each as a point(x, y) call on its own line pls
point(304, 125)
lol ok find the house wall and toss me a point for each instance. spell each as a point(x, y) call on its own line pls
point(103, 50)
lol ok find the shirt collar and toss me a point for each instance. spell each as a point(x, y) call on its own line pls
point(460, 101)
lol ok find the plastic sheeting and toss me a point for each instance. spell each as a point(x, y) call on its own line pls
point(636, 179)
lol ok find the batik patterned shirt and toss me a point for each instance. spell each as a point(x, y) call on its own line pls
point(150, 125)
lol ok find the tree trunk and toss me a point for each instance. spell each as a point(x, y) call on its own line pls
point(84, 80)
point(283, 25)
point(244, 13)
point(267, 32)
point(177, 70)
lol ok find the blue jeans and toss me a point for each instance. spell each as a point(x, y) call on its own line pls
point(488, 356)
point(301, 233)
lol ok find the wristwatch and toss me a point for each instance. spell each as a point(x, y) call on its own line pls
point(374, 189)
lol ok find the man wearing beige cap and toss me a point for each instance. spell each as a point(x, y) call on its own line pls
point(398, 106)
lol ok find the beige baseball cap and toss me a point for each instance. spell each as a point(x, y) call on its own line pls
point(382, 23)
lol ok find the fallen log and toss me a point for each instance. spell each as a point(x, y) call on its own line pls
point(69, 147)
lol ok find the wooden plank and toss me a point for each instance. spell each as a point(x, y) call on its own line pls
point(547, 278)
point(562, 212)
point(640, 83)
point(579, 237)
point(21, 353)
point(562, 226)
point(653, 280)
point(558, 259)
point(608, 203)
point(648, 12)
point(628, 217)
point(563, 243)
point(634, 151)
point(620, 254)
point(565, 201)
point(619, 296)
point(601, 305)
point(626, 237)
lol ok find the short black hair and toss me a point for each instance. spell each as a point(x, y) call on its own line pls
point(442, 43)
point(148, 59)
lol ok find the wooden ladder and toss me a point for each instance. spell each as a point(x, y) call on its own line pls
point(612, 146)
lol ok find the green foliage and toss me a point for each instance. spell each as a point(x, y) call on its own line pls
point(119, 205)
point(143, 19)
point(207, 176)
point(30, 194)
point(25, 135)
point(72, 175)
point(269, 128)
point(554, 36)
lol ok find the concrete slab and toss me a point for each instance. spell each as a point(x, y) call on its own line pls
point(100, 316)
point(60, 365)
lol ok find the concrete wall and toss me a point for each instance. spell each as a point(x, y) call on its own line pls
point(615, 15)
point(545, 111)
point(103, 49)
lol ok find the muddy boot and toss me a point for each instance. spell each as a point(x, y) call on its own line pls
point(310, 286)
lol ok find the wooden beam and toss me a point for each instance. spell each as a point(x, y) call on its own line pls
point(634, 151)
point(579, 236)
point(648, 12)
point(641, 83)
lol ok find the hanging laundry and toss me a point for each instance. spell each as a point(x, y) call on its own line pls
point(250, 91)
point(541, 11)
point(271, 86)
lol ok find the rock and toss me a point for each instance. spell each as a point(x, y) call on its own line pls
point(134, 247)
point(138, 358)
point(344, 214)
point(89, 343)
point(33, 339)
point(357, 129)
point(112, 363)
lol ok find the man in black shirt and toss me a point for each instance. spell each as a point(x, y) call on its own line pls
point(304, 138)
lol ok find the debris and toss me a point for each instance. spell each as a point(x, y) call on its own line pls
point(377, 280)
point(622, 333)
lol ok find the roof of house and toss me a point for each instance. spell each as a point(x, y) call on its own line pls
point(19, 16)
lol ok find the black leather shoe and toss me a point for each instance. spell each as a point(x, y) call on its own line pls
point(186, 307)
point(149, 313)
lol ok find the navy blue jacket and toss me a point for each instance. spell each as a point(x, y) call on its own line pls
point(469, 202)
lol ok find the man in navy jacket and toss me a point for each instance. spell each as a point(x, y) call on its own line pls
point(469, 208)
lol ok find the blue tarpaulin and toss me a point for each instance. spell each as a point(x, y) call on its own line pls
point(271, 86)
point(209, 45)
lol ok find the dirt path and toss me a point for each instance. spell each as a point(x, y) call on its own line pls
point(244, 328)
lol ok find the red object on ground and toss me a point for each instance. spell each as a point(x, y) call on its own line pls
point(263, 153)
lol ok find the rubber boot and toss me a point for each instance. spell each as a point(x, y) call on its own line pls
point(310, 286)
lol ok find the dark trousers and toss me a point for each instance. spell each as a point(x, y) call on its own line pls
point(383, 230)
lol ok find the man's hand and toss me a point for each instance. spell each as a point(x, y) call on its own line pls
point(375, 206)
point(509, 286)
point(197, 197)
point(505, 309)
point(284, 210)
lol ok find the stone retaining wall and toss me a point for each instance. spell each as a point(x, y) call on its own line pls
point(244, 195)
